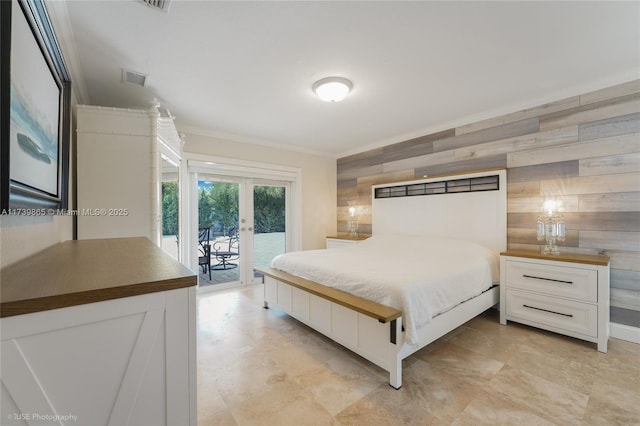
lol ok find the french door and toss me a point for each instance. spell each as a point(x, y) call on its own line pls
point(247, 221)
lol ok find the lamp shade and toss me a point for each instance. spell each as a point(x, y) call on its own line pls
point(332, 89)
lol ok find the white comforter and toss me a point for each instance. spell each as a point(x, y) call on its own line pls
point(420, 276)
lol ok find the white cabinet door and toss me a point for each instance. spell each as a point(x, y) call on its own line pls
point(123, 361)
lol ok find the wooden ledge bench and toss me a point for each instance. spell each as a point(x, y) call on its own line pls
point(375, 310)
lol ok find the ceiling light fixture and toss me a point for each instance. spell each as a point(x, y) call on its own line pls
point(332, 89)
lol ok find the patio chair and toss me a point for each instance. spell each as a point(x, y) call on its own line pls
point(204, 251)
point(227, 250)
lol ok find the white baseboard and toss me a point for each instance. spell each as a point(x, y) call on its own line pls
point(624, 332)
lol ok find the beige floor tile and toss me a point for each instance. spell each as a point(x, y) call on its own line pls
point(284, 404)
point(602, 412)
point(339, 383)
point(428, 396)
point(481, 335)
point(615, 396)
point(621, 365)
point(215, 419)
point(461, 363)
point(565, 346)
point(499, 346)
point(368, 412)
point(249, 377)
point(555, 367)
point(542, 397)
point(212, 409)
point(261, 367)
point(299, 360)
point(490, 409)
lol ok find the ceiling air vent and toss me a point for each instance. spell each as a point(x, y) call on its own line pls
point(162, 5)
point(134, 78)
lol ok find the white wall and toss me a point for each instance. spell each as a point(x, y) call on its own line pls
point(318, 180)
point(22, 236)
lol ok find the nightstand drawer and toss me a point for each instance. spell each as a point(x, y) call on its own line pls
point(333, 243)
point(344, 240)
point(560, 315)
point(563, 281)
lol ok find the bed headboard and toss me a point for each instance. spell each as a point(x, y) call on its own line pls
point(470, 206)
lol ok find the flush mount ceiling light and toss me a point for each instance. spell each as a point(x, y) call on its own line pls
point(332, 89)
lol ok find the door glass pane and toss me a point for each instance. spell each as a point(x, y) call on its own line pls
point(218, 204)
point(269, 219)
point(170, 210)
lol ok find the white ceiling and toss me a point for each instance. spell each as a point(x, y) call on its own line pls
point(243, 70)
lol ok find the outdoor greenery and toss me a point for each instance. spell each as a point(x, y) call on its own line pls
point(169, 208)
point(218, 208)
point(269, 209)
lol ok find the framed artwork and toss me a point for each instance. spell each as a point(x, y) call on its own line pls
point(35, 91)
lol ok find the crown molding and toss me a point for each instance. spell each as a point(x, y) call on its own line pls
point(59, 16)
point(253, 141)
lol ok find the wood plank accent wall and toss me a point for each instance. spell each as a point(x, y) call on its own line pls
point(584, 150)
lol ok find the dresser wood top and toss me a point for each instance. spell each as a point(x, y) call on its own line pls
point(87, 271)
point(590, 259)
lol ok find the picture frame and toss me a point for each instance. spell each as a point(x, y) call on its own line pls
point(35, 112)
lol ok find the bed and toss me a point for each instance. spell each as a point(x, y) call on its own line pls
point(430, 266)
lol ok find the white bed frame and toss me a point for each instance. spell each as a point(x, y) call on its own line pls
point(375, 331)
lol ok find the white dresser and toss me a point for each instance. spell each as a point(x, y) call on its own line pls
point(98, 332)
point(344, 240)
point(567, 294)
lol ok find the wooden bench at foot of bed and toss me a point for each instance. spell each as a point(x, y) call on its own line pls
point(367, 328)
point(371, 330)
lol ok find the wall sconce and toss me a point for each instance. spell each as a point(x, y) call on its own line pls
point(551, 227)
point(352, 222)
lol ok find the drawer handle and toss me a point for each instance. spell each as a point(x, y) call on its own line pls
point(546, 310)
point(548, 279)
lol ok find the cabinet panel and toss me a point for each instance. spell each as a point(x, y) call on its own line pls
point(320, 313)
point(333, 243)
point(575, 283)
point(283, 296)
point(105, 191)
point(300, 304)
point(344, 324)
point(119, 174)
point(113, 362)
point(563, 314)
point(370, 333)
point(567, 294)
point(345, 240)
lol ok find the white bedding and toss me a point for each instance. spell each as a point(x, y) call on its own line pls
point(420, 276)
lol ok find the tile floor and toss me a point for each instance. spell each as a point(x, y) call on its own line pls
point(261, 367)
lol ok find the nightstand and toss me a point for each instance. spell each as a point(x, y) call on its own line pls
point(567, 294)
point(344, 240)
